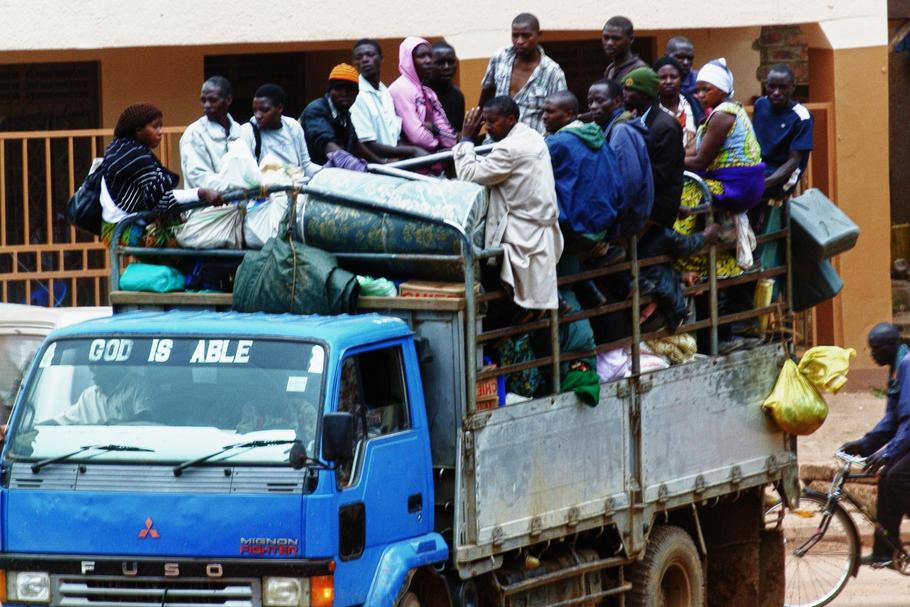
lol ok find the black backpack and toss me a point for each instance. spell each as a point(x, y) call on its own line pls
point(83, 210)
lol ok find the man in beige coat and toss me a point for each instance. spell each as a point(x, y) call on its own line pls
point(522, 216)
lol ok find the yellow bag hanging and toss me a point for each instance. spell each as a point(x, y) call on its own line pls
point(795, 404)
point(826, 367)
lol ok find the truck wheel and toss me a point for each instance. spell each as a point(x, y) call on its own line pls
point(670, 574)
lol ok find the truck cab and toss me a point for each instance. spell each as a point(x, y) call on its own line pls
point(144, 442)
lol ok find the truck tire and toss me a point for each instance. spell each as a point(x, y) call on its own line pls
point(670, 574)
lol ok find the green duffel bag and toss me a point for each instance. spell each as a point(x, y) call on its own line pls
point(288, 276)
point(152, 277)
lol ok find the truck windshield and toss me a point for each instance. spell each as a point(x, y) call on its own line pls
point(180, 398)
point(15, 353)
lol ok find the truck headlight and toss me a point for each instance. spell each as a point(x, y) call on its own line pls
point(285, 592)
point(29, 586)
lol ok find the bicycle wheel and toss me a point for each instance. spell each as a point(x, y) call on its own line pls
point(815, 577)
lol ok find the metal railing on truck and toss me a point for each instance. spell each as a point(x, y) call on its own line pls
point(471, 255)
point(634, 302)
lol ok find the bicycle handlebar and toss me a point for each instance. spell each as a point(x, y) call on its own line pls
point(850, 459)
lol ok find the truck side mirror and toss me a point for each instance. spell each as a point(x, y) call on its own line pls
point(338, 437)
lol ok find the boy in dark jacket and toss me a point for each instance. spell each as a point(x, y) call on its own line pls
point(327, 122)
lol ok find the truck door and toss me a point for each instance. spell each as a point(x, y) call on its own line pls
point(385, 494)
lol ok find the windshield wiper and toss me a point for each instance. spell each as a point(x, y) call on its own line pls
point(178, 470)
point(37, 466)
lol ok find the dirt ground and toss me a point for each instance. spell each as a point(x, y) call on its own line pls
point(851, 415)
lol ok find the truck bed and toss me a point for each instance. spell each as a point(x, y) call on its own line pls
point(649, 445)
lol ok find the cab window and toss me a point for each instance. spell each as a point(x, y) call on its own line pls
point(373, 390)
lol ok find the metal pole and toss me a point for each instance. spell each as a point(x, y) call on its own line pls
point(385, 169)
point(554, 348)
point(712, 285)
point(410, 163)
point(708, 199)
point(788, 252)
point(636, 307)
point(471, 322)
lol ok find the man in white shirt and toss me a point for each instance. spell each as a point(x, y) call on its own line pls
point(373, 113)
point(270, 132)
point(205, 142)
point(113, 397)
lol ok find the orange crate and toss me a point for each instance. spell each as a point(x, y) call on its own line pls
point(487, 392)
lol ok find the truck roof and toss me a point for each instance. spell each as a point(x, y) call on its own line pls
point(340, 331)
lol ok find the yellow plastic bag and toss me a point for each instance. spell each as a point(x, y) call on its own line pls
point(826, 367)
point(795, 404)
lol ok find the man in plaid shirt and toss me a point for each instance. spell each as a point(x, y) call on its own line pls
point(524, 73)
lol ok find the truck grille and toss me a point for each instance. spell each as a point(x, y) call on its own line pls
point(154, 592)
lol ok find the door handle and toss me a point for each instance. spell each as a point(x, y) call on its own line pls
point(415, 503)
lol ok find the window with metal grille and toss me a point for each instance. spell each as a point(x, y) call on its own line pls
point(583, 61)
point(49, 96)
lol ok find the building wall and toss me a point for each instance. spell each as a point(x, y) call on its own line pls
point(899, 106)
point(862, 191)
point(848, 46)
point(108, 23)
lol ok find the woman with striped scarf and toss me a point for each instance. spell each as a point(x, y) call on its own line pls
point(134, 180)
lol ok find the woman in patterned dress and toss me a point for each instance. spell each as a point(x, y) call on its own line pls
point(728, 157)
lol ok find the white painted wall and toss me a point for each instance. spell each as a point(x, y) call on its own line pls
point(476, 27)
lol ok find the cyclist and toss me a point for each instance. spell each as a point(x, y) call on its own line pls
point(888, 444)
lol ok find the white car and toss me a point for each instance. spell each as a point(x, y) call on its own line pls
point(22, 329)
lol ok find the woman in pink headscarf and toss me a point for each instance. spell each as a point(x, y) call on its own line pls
point(423, 121)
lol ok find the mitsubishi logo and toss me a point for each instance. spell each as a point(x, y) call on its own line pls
point(149, 530)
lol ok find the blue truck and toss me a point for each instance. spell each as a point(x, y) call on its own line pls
point(179, 453)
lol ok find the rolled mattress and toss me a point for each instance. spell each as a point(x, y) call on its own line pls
point(331, 226)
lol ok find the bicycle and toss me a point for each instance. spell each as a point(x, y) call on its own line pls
point(821, 540)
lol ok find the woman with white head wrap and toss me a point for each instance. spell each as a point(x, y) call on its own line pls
point(728, 158)
point(717, 75)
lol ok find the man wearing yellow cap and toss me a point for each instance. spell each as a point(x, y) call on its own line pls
point(327, 121)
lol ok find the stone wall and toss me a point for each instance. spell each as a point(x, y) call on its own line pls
point(783, 44)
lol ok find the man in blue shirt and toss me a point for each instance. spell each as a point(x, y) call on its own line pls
point(588, 188)
point(784, 131)
point(682, 49)
point(604, 105)
point(887, 445)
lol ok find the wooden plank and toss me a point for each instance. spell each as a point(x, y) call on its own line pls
point(48, 274)
point(62, 134)
point(136, 298)
point(422, 304)
point(71, 175)
point(26, 230)
point(225, 299)
point(48, 192)
point(3, 225)
point(53, 248)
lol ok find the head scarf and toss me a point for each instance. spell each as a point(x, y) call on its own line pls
point(642, 79)
point(717, 74)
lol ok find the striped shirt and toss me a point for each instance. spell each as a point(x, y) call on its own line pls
point(547, 78)
point(135, 178)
